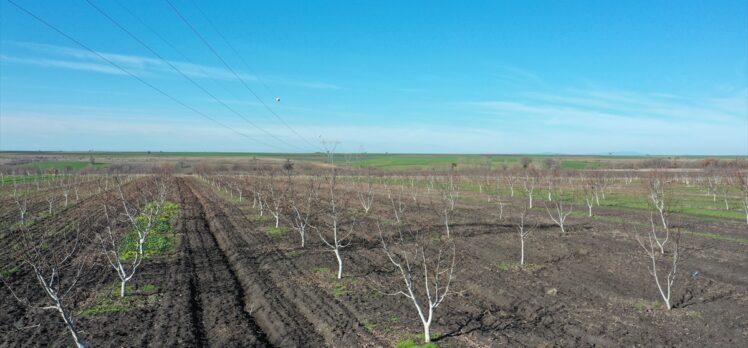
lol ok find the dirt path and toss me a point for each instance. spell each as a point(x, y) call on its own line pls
point(291, 315)
point(216, 298)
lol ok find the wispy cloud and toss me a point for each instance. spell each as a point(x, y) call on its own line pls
point(78, 59)
point(65, 64)
point(648, 123)
point(516, 75)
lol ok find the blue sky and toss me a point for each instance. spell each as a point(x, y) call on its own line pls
point(654, 77)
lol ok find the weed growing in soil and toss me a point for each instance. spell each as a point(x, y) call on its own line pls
point(293, 253)
point(263, 218)
point(412, 341)
point(322, 270)
point(647, 306)
point(516, 267)
point(10, 272)
point(340, 289)
point(276, 231)
point(109, 302)
point(369, 326)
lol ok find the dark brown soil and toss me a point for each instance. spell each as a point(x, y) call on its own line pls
point(230, 283)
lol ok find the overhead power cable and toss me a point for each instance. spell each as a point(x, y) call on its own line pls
point(244, 83)
point(195, 83)
point(127, 72)
point(179, 52)
point(233, 49)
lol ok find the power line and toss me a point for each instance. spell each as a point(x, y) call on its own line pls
point(168, 43)
point(142, 43)
point(233, 49)
point(244, 83)
point(160, 91)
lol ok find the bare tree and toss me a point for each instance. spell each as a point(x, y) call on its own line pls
point(657, 195)
point(365, 194)
point(276, 198)
point(559, 213)
point(65, 189)
point(500, 205)
point(304, 209)
point(433, 264)
point(588, 186)
point(21, 202)
point(529, 183)
point(449, 195)
point(742, 183)
point(663, 285)
point(398, 206)
point(338, 234)
point(524, 231)
point(141, 221)
point(57, 269)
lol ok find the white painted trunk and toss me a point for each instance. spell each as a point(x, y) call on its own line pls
point(340, 263)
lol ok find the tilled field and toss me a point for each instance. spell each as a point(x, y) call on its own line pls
point(230, 283)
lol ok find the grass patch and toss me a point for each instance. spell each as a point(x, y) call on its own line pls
point(694, 314)
point(276, 231)
point(414, 341)
point(10, 179)
point(10, 272)
point(65, 165)
point(516, 267)
point(263, 218)
point(322, 270)
point(369, 326)
point(161, 239)
point(293, 253)
point(108, 301)
point(642, 306)
point(340, 289)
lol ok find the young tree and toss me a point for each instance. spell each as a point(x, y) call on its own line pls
point(304, 209)
point(658, 197)
point(365, 193)
point(531, 179)
point(588, 186)
point(559, 213)
point(524, 231)
point(449, 195)
point(742, 183)
point(423, 258)
point(398, 206)
point(57, 268)
point(663, 285)
point(142, 222)
point(337, 221)
point(500, 204)
point(21, 203)
point(276, 197)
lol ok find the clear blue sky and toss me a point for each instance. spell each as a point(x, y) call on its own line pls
point(655, 77)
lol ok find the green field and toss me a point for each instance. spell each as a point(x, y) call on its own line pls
point(64, 165)
point(383, 161)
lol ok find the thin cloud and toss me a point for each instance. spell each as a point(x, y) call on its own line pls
point(78, 59)
point(64, 64)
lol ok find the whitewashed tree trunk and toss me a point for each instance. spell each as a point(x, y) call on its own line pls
point(665, 286)
point(434, 288)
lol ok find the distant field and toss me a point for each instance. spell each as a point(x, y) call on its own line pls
point(65, 165)
point(390, 162)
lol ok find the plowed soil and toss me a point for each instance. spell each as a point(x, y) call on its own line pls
point(229, 283)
